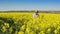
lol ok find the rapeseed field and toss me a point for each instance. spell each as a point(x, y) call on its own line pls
point(24, 23)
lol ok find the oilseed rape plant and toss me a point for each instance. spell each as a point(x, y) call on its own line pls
point(24, 23)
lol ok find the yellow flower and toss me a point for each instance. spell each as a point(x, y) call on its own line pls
point(32, 32)
point(21, 32)
point(58, 27)
point(3, 29)
point(22, 28)
point(6, 25)
point(28, 30)
point(55, 31)
point(49, 30)
point(41, 32)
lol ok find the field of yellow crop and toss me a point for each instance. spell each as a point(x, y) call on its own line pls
point(23, 23)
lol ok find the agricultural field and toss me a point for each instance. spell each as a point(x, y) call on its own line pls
point(23, 23)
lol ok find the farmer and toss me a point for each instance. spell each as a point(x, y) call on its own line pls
point(36, 15)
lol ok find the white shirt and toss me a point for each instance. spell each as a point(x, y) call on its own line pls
point(34, 15)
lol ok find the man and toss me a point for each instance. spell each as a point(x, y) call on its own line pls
point(36, 15)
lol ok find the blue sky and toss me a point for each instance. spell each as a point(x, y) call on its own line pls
point(6, 5)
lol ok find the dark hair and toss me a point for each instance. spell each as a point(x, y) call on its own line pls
point(37, 11)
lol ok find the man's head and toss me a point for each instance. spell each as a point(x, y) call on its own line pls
point(36, 11)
